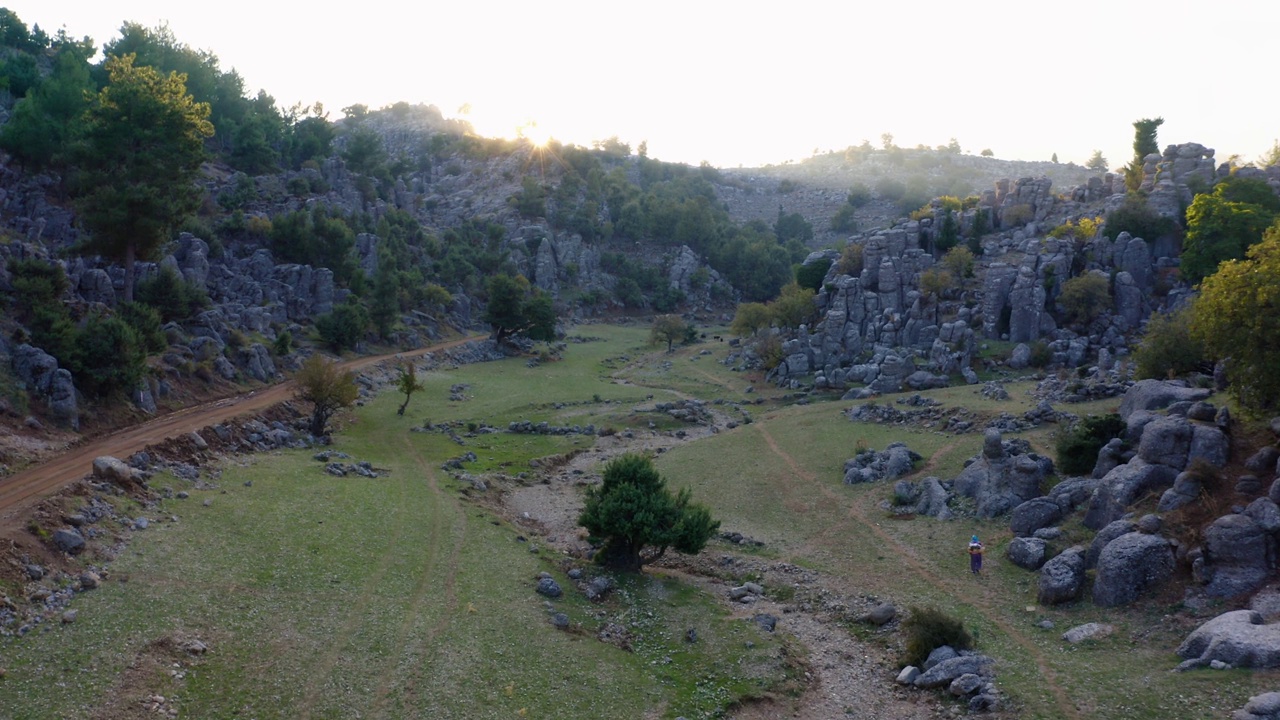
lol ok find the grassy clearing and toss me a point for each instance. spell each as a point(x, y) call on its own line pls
point(391, 597)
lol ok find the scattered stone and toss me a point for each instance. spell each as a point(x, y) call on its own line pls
point(68, 540)
point(966, 684)
point(881, 614)
point(70, 616)
point(560, 620)
point(766, 621)
point(938, 654)
point(89, 580)
point(549, 588)
point(908, 675)
point(1088, 631)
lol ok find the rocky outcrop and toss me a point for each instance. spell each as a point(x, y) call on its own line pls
point(1157, 395)
point(999, 480)
point(1238, 638)
point(39, 372)
point(1238, 556)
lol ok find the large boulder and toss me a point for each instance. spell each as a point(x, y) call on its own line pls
point(1027, 553)
point(1106, 535)
point(111, 469)
point(1122, 487)
point(1186, 488)
point(1238, 638)
point(1260, 707)
point(1130, 565)
point(1034, 514)
point(1158, 394)
point(1062, 578)
point(1238, 556)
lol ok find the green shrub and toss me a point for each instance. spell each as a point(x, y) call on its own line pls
point(1016, 215)
point(171, 296)
point(1041, 355)
point(1078, 448)
point(811, 275)
point(1137, 219)
point(1167, 347)
point(109, 357)
point(145, 321)
point(928, 629)
point(851, 260)
point(344, 327)
point(283, 344)
point(1084, 298)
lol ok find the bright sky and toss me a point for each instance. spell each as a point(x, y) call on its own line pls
point(749, 83)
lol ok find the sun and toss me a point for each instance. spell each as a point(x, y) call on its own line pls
point(535, 134)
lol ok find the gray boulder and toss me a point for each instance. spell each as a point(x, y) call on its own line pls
point(1238, 638)
point(1186, 488)
point(1158, 394)
point(1266, 513)
point(938, 654)
point(113, 470)
point(1062, 578)
point(1263, 461)
point(1260, 707)
point(1130, 565)
point(1027, 553)
point(933, 499)
point(1105, 535)
point(1238, 556)
point(945, 672)
point(68, 540)
point(1122, 487)
point(549, 588)
point(1034, 514)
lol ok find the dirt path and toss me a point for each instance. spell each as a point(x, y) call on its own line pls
point(980, 601)
point(431, 579)
point(19, 491)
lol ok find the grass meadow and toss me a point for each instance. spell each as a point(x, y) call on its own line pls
point(396, 597)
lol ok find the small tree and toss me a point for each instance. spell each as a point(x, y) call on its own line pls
point(512, 309)
point(668, 328)
point(959, 260)
point(408, 384)
point(327, 387)
point(793, 307)
point(750, 319)
point(636, 518)
point(1097, 162)
point(1235, 317)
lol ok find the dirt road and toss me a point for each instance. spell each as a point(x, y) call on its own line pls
point(18, 492)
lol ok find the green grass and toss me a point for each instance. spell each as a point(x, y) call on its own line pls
point(394, 597)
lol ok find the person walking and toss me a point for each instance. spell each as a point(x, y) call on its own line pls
point(975, 555)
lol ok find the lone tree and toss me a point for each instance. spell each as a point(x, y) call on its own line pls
point(327, 387)
point(1144, 144)
point(637, 518)
point(141, 152)
point(408, 384)
point(514, 308)
point(669, 328)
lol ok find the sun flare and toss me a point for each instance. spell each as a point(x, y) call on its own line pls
point(536, 135)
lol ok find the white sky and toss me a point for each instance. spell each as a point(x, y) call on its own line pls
point(749, 83)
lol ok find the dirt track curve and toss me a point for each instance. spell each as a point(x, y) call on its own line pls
point(21, 490)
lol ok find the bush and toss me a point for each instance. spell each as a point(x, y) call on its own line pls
point(1084, 298)
point(145, 321)
point(109, 357)
point(283, 344)
point(851, 260)
point(1041, 356)
point(1078, 448)
point(171, 296)
point(344, 327)
point(1137, 219)
point(1167, 348)
point(812, 274)
point(1016, 215)
point(928, 629)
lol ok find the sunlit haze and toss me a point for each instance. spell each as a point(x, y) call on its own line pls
point(741, 83)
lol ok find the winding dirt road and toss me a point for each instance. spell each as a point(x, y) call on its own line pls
point(20, 491)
